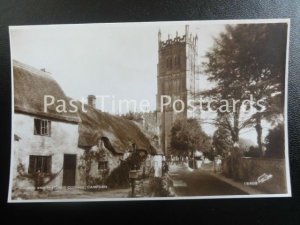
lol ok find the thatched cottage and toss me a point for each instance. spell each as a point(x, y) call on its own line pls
point(47, 143)
point(68, 149)
point(109, 140)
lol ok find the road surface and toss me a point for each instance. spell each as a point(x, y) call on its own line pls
point(188, 182)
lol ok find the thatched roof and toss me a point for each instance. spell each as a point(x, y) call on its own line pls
point(120, 133)
point(30, 87)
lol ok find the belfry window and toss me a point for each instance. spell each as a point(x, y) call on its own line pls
point(177, 60)
point(169, 63)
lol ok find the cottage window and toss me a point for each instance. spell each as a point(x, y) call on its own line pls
point(103, 165)
point(42, 127)
point(39, 163)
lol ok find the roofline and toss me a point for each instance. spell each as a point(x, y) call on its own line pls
point(59, 118)
point(32, 69)
point(86, 147)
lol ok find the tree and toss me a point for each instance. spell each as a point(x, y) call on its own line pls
point(186, 136)
point(135, 116)
point(248, 59)
point(222, 141)
point(261, 60)
point(275, 142)
point(222, 69)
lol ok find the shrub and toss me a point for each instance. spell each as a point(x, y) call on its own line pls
point(253, 152)
point(119, 177)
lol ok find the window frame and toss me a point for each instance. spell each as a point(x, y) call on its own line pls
point(45, 162)
point(42, 127)
point(101, 168)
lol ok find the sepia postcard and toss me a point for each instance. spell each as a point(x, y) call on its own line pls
point(149, 110)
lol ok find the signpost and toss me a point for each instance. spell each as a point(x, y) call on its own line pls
point(133, 175)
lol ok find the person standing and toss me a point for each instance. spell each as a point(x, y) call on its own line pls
point(165, 168)
point(38, 180)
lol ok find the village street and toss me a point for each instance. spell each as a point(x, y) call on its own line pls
point(199, 182)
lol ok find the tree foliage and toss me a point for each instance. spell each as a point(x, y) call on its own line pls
point(119, 177)
point(187, 135)
point(221, 141)
point(275, 142)
point(248, 59)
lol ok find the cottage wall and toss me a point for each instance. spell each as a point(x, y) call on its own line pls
point(104, 155)
point(63, 140)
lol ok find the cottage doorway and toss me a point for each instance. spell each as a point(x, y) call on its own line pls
point(69, 170)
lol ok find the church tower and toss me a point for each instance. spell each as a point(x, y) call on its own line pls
point(177, 78)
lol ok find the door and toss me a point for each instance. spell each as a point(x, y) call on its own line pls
point(69, 170)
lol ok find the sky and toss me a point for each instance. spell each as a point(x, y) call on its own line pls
point(102, 59)
point(118, 60)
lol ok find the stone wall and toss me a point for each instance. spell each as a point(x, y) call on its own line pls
point(266, 175)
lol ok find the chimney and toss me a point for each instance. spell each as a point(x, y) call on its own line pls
point(92, 101)
point(159, 38)
point(159, 35)
point(186, 31)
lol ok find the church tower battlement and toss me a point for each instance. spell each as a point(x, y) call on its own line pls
point(177, 77)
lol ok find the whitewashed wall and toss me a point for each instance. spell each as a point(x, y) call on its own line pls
point(63, 140)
